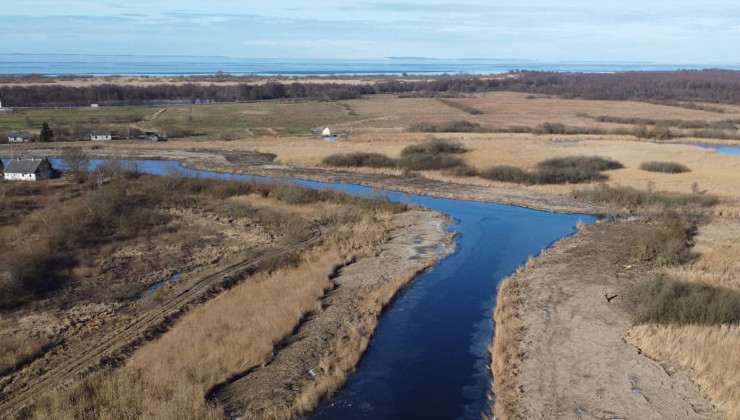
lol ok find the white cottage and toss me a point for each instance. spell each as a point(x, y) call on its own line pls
point(100, 135)
point(19, 137)
point(28, 170)
point(326, 132)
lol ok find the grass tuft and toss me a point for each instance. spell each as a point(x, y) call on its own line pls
point(666, 301)
point(664, 167)
point(359, 159)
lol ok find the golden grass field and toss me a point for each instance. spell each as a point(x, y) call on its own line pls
point(169, 377)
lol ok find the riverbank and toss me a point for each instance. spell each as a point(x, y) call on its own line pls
point(562, 350)
point(315, 360)
point(142, 358)
point(254, 163)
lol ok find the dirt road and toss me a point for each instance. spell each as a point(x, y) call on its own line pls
point(577, 363)
point(69, 360)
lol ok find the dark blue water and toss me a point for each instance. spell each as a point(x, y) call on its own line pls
point(719, 148)
point(428, 357)
point(103, 65)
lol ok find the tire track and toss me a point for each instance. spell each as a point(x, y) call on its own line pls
point(113, 348)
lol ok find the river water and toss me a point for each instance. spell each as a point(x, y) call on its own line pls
point(428, 357)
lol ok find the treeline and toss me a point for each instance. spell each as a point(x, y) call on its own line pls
point(682, 88)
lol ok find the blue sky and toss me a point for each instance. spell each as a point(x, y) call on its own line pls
point(662, 31)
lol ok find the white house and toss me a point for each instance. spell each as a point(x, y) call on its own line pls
point(100, 135)
point(28, 170)
point(18, 137)
point(326, 132)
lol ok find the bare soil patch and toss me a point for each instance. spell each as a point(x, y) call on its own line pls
point(575, 360)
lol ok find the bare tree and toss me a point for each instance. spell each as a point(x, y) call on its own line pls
point(75, 162)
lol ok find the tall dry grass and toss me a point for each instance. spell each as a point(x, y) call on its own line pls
point(237, 330)
point(709, 352)
point(508, 346)
point(15, 350)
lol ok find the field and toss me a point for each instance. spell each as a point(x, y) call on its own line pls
point(518, 130)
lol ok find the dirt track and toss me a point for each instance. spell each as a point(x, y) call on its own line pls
point(577, 363)
point(70, 360)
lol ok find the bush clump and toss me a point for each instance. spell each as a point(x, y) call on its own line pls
point(507, 173)
point(566, 170)
point(359, 159)
point(434, 154)
point(666, 301)
point(664, 167)
point(582, 163)
point(665, 239)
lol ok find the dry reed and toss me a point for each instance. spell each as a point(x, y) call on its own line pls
point(233, 332)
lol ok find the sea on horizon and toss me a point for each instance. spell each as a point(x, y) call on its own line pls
point(125, 65)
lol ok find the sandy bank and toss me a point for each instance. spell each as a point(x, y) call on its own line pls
point(565, 354)
point(314, 361)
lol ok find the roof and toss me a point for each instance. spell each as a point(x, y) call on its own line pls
point(23, 166)
point(101, 133)
point(21, 134)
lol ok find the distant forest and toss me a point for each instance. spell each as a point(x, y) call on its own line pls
point(717, 86)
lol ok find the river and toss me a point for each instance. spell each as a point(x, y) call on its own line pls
point(429, 354)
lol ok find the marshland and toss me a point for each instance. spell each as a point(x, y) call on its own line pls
point(284, 264)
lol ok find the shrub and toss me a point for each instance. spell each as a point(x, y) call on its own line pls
point(31, 275)
point(572, 169)
point(461, 170)
point(583, 163)
point(565, 175)
point(507, 173)
point(359, 159)
point(665, 167)
point(422, 161)
point(434, 146)
point(665, 240)
point(665, 301)
point(551, 128)
point(434, 154)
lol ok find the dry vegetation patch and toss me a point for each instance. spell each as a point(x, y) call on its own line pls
point(120, 238)
point(690, 315)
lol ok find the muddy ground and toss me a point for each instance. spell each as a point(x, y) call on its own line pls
point(577, 362)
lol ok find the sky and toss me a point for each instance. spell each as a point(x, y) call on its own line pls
point(657, 31)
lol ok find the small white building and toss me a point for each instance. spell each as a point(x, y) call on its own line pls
point(100, 135)
point(326, 132)
point(28, 170)
point(19, 137)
